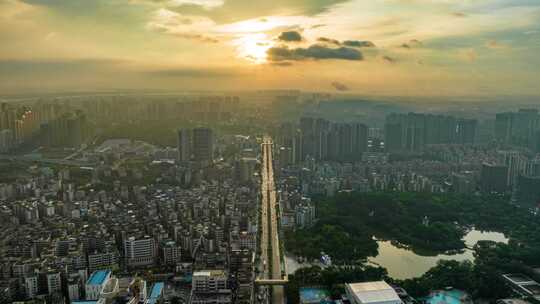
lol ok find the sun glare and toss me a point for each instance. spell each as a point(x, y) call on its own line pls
point(255, 36)
point(253, 25)
point(253, 47)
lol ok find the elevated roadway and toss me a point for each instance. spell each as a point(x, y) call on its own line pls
point(273, 273)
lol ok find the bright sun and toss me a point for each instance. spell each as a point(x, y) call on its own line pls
point(252, 42)
point(253, 46)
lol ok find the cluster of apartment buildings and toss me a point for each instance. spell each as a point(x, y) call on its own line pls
point(58, 235)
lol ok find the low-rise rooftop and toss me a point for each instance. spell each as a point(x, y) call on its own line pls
point(373, 292)
point(98, 277)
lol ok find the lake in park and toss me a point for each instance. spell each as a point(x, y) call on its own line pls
point(402, 263)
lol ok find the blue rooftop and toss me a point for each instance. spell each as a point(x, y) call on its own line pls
point(314, 295)
point(157, 290)
point(98, 277)
point(84, 302)
point(453, 296)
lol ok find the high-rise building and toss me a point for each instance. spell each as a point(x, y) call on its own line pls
point(320, 139)
point(324, 140)
point(393, 136)
point(244, 168)
point(528, 191)
point(516, 164)
point(412, 131)
point(54, 282)
point(6, 140)
point(304, 215)
point(534, 167)
point(526, 125)
point(359, 140)
point(536, 142)
point(75, 131)
point(503, 127)
point(184, 145)
point(494, 178)
point(307, 127)
point(170, 253)
point(203, 144)
point(518, 128)
point(31, 286)
point(74, 288)
point(466, 131)
point(140, 251)
point(333, 141)
point(447, 130)
point(241, 266)
point(69, 129)
point(290, 138)
point(345, 142)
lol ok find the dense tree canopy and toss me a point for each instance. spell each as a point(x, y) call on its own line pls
point(348, 221)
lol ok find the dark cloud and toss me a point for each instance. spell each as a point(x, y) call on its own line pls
point(348, 43)
point(329, 40)
point(459, 14)
point(340, 86)
point(358, 43)
point(317, 52)
point(290, 36)
point(406, 46)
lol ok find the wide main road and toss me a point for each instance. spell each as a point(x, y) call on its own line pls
point(270, 248)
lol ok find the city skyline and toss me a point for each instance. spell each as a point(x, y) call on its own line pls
point(407, 48)
point(255, 199)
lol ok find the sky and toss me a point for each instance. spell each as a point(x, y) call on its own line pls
point(372, 47)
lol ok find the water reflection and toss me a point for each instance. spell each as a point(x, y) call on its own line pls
point(402, 263)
